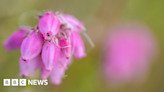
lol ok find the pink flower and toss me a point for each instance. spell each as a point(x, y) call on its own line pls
point(49, 25)
point(16, 38)
point(58, 71)
point(57, 74)
point(50, 54)
point(28, 68)
point(77, 46)
point(128, 53)
point(65, 43)
point(71, 23)
point(31, 45)
point(43, 71)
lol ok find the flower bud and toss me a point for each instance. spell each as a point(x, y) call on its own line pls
point(74, 23)
point(58, 72)
point(49, 25)
point(16, 39)
point(77, 45)
point(71, 23)
point(50, 54)
point(31, 45)
point(28, 68)
point(65, 45)
point(44, 73)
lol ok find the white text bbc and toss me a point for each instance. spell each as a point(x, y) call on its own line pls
point(22, 82)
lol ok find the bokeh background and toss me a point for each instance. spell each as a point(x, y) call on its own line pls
point(99, 16)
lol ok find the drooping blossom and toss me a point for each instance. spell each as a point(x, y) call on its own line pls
point(28, 68)
point(49, 25)
point(50, 54)
point(43, 71)
point(58, 71)
point(77, 46)
point(65, 43)
point(70, 22)
point(128, 52)
point(16, 38)
point(31, 45)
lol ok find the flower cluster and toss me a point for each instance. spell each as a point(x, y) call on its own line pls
point(49, 46)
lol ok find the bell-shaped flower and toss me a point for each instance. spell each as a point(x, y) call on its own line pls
point(43, 71)
point(28, 68)
point(49, 25)
point(31, 45)
point(50, 54)
point(16, 38)
point(62, 62)
point(74, 23)
point(71, 23)
point(77, 44)
point(58, 72)
point(65, 43)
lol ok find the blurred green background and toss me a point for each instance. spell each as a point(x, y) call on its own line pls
point(98, 15)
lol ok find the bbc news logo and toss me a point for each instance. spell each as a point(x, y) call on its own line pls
point(23, 82)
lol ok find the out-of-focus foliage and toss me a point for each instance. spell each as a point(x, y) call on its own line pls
point(98, 16)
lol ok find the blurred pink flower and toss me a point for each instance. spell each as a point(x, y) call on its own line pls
point(128, 53)
point(58, 71)
point(43, 71)
point(77, 46)
point(71, 23)
point(16, 38)
point(28, 68)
